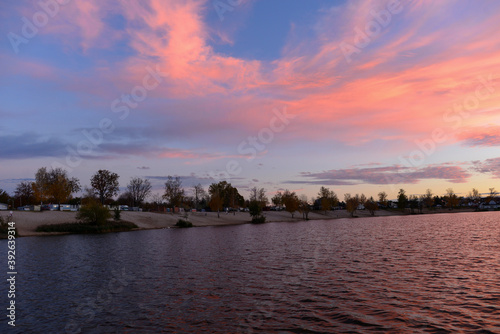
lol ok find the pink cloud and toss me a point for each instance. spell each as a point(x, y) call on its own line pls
point(481, 136)
point(399, 88)
point(491, 166)
point(200, 157)
point(145, 149)
point(394, 87)
point(175, 36)
point(386, 175)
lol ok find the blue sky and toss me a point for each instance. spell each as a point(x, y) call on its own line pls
point(358, 101)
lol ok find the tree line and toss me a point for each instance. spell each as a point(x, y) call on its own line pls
point(55, 186)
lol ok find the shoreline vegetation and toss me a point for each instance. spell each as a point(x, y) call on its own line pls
point(179, 206)
point(30, 223)
point(84, 228)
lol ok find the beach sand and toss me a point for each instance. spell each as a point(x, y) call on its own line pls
point(28, 221)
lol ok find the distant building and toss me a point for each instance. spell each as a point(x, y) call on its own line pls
point(492, 205)
point(4, 206)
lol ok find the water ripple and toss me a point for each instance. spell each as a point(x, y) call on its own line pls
point(425, 274)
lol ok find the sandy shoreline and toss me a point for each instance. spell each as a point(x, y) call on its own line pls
point(27, 221)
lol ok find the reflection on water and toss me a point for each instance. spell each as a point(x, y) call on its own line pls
point(435, 273)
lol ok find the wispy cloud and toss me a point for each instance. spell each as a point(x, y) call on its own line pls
point(410, 79)
point(384, 175)
point(481, 136)
point(30, 145)
point(489, 166)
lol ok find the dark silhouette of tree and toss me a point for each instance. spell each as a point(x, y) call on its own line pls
point(277, 199)
point(125, 198)
point(382, 198)
point(229, 195)
point(351, 203)
point(255, 209)
point(4, 196)
point(492, 195)
point(24, 193)
point(362, 199)
point(371, 206)
point(328, 199)
point(428, 199)
point(413, 200)
point(199, 194)
point(438, 201)
point(105, 184)
point(139, 189)
point(291, 201)
point(89, 195)
point(259, 195)
point(174, 194)
point(451, 199)
point(304, 207)
point(402, 199)
point(157, 201)
point(474, 197)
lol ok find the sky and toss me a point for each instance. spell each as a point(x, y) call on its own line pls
point(359, 96)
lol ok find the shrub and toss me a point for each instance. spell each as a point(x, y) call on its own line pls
point(117, 216)
point(258, 220)
point(87, 228)
point(254, 209)
point(93, 213)
point(183, 223)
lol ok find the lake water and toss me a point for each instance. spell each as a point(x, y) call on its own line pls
point(432, 273)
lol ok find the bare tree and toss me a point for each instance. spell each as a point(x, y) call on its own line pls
point(199, 193)
point(492, 195)
point(451, 198)
point(382, 198)
point(259, 195)
point(421, 203)
point(304, 207)
point(474, 196)
point(105, 184)
point(139, 189)
point(413, 200)
point(157, 200)
point(88, 196)
point(24, 192)
point(174, 193)
point(362, 199)
point(428, 199)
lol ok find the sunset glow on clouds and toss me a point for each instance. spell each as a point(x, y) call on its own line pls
point(405, 91)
